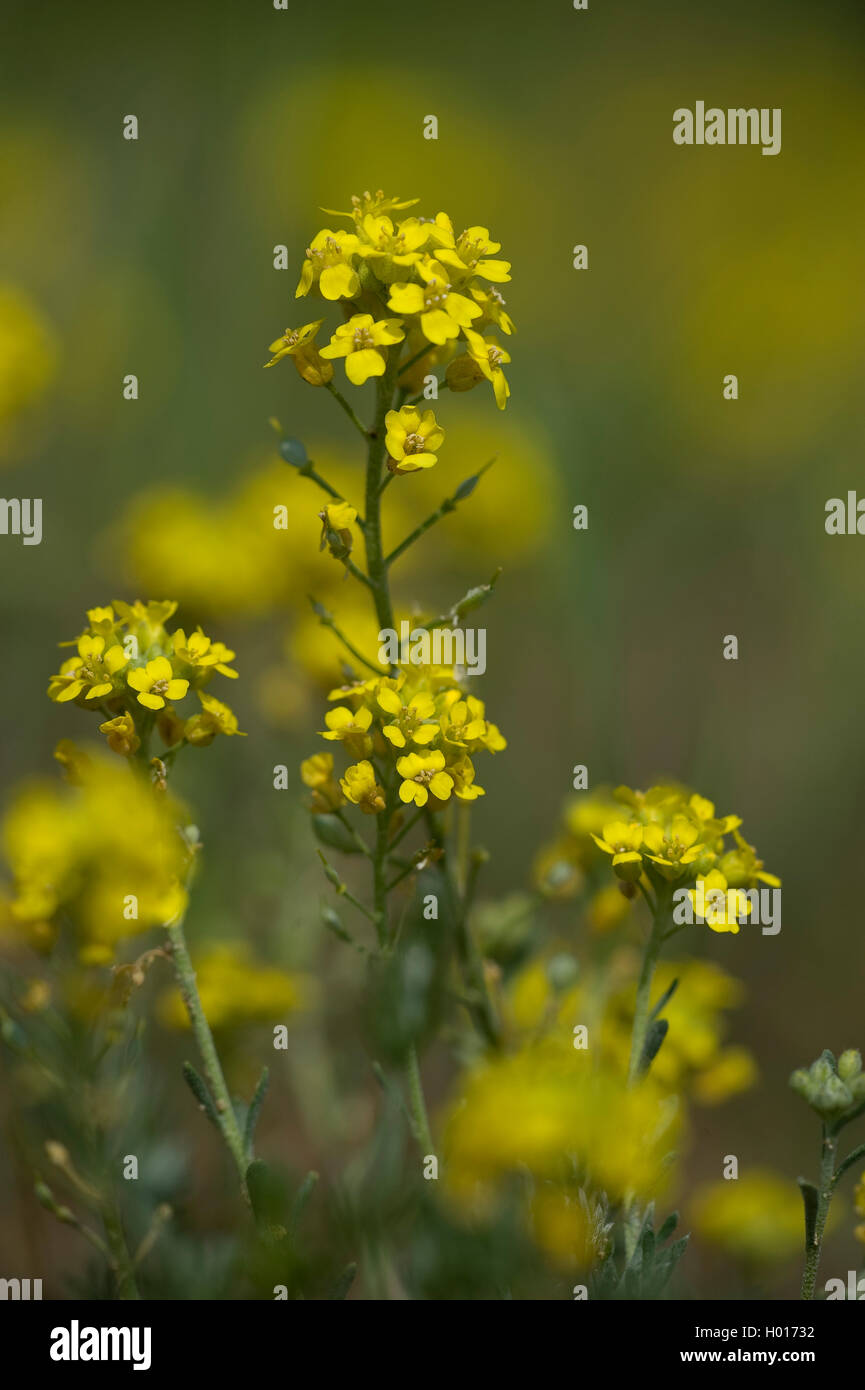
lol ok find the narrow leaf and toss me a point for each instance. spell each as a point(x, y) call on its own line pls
point(664, 999)
point(810, 1198)
point(343, 1284)
point(654, 1037)
point(200, 1091)
point(254, 1110)
point(302, 1196)
point(848, 1162)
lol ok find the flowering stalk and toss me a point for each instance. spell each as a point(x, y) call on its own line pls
point(226, 1118)
point(836, 1092)
point(413, 294)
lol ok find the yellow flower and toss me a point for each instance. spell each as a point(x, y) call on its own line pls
point(375, 203)
point(463, 773)
point(234, 989)
point(757, 1218)
point(493, 310)
point(424, 776)
point(622, 839)
point(407, 720)
point(363, 342)
point(349, 727)
point(328, 264)
point(673, 846)
point(292, 340)
point(719, 906)
point(121, 735)
point(361, 788)
point(337, 519)
point(317, 774)
point(155, 683)
point(488, 356)
point(215, 718)
point(470, 256)
point(201, 653)
point(411, 439)
point(545, 1109)
point(28, 360)
point(392, 250)
point(732, 1071)
point(463, 723)
point(98, 850)
point(92, 670)
point(442, 311)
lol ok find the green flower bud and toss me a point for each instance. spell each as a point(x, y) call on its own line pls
point(849, 1064)
point(856, 1088)
point(802, 1084)
point(833, 1097)
point(821, 1071)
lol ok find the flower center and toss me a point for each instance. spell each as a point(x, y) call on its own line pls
point(159, 688)
point(414, 444)
point(362, 339)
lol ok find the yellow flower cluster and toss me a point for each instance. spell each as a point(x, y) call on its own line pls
point(694, 1059)
point(413, 736)
point(101, 851)
point(667, 835)
point(549, 1112)
point(413, 280)
point(130, 668)
point(235, 989)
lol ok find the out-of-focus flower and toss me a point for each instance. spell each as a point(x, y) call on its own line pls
point(28, 359)
point(235, 989)
point(105, 852)
point(757, 1218)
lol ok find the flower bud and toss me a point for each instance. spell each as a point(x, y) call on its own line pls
point(312, 367)
point(801, 1083)
point(849, 1064)
point(833, 1097)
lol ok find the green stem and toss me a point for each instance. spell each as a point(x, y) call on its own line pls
point(378, 877)
point(338, 396)
point(644, 990)
point(375, 562)
point(121, 1260)
point(418, 1104)
point(824, 1199)
point(207, 1047)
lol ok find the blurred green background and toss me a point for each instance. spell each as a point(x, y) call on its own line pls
point(705, 516)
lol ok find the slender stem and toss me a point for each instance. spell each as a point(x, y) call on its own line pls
point(206, 1046)
point(644, 990)
point(378, 877)
point(327, 621)
point(337, 395)
point(121, 1260)
point(356, 573)
point(375, 563)
point(447, 506)
point(409, 825)
point(309, 472)
point(824, 1198)
point(418, 1104)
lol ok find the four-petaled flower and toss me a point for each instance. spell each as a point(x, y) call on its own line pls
point(156, 682)
point(442, 311)
point(488, 357)
point(411, 439)
point(363, 342)
point(361, 788)
point(424, 776)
